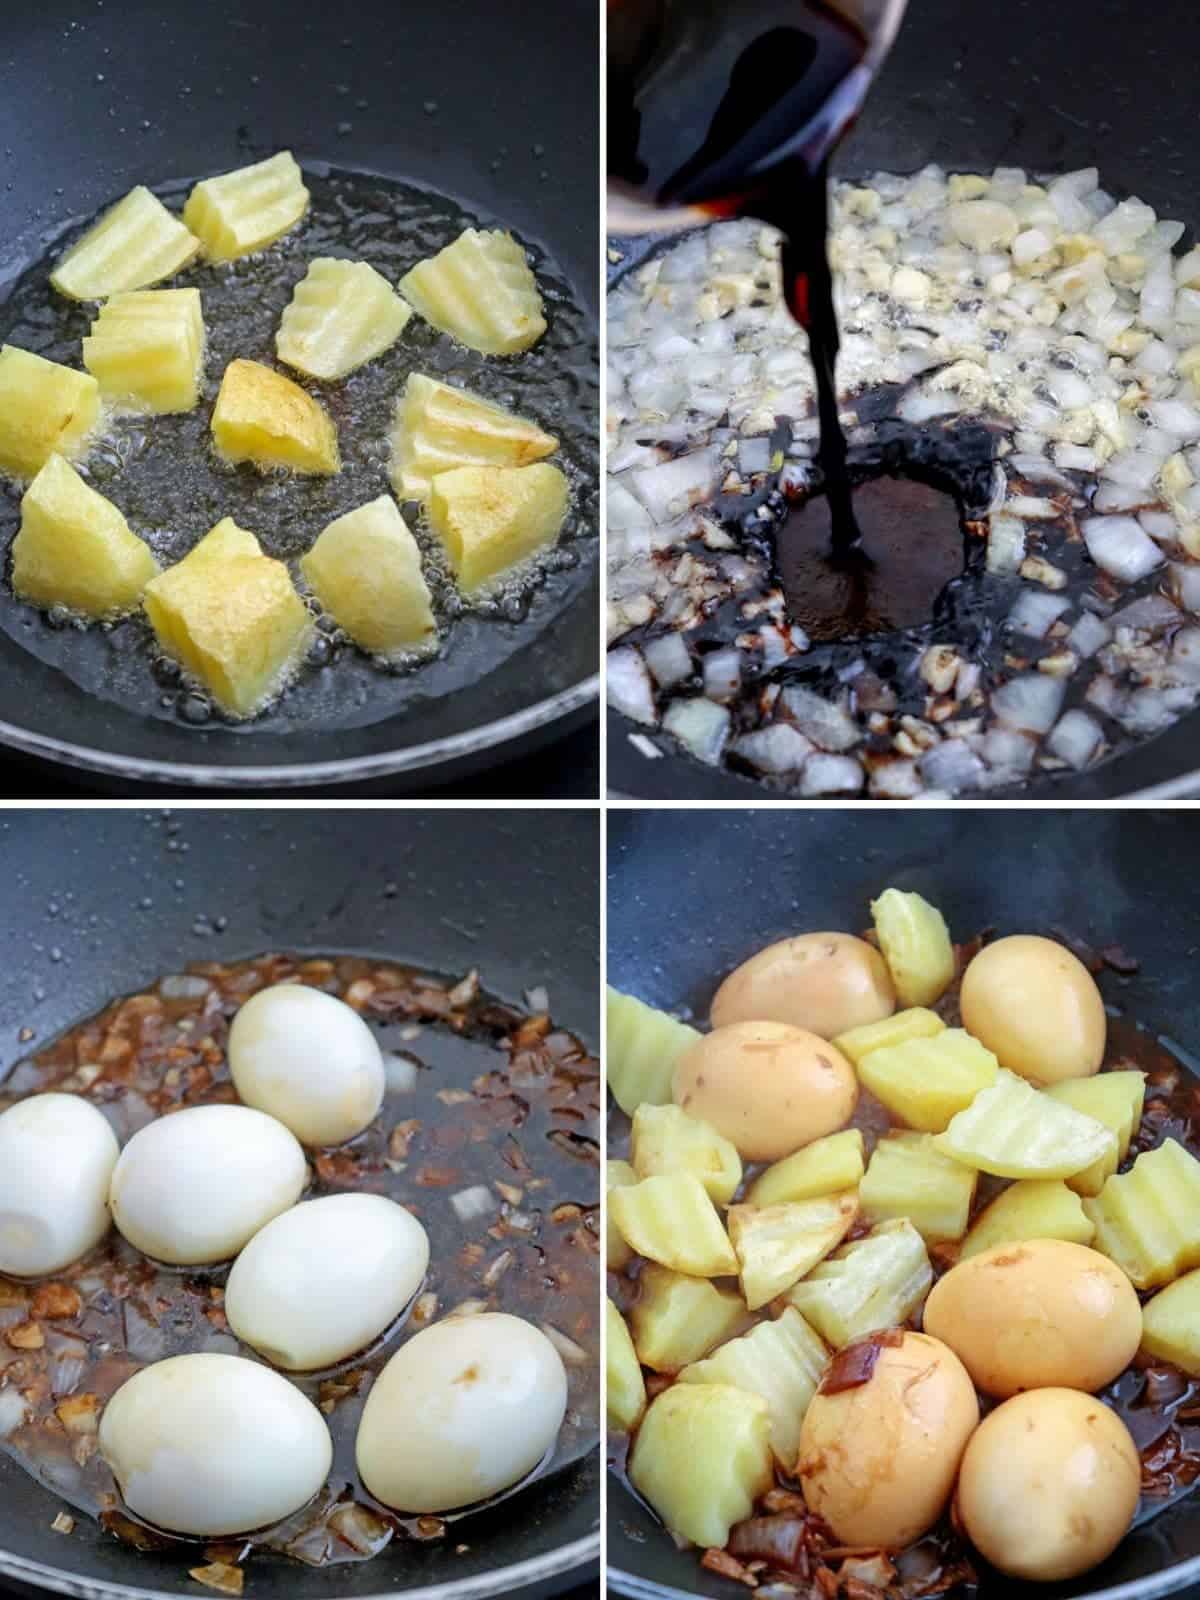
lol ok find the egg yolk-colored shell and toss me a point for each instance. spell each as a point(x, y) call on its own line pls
point(1036, 1007)
point(768, 1087)
point(1049, 1485)
point(825, 982)
point(878, 1459)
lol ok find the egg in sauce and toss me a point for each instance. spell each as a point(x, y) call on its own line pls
point(826, 983)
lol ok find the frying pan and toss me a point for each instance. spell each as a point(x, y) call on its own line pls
point(202, 88)
point(691, 894)
point(130, 890)
point(1050, 88)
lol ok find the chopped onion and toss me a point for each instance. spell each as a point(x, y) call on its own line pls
point(1186, 583)
point(1106, 695)
point(400, 1073)
point(1119, 545)
point(477, 1201)
point(537, 999)
point(68, 1358)
point(700, 726)
point(776, 749)
point(723, 674)
point(1031, 508)
point(1030, 701)
point(573, 1355)
point(1038, 469)
point(1151, 614)
point(754, 455)
point(144, 1339)
point(828, 725)
point(1185, 653)
point(1175, 416)
point(1159, 525)
point(1008, 753)
point(669, 659)
point(1088, 635)
point(1006, 544)
point(951, 767)
point(671, 487)
point(829, 775)
point(1035, 612)
point(12, 1411)
point(1075, 739)
point(183, 986)
point(628, 686)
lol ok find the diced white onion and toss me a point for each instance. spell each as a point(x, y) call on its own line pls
point(830, 775)
point(828, 725)
point(1035, 611)
point(1186, 583)
point(1088, 635)
point(754, 455)
point(1151, 614)
point(1005, 545)
point(1075, 739)
point(1120, 546)
point(400, 1073)
point(1031, 701)
point(775, 749)
point(628, 686)
point(951, 767)
point(12, 1411)
point(669, 659)
point(700, 726)
point(671, 487)
point(477, 1201)
point(183, 986)
point(723, 674)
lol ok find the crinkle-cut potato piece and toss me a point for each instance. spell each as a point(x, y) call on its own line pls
point(823, 1167)
point(342, 314)
point(909, 1177)
point(481, 291)
point(75, 549)
point(643, 1046)
point(263, 417)
point(702, 1457)
point(777, 1245)
point(916, 946)
point(926, 1082)
point(1114, 1098)
point(365, 569)
point(246, 210)
point(1148, 1219)
point(490, 518)
point(1013, 1130)
point(624, 1386)
point(900, 1028)
point(876, 1282)
point(783, 1361)
point(1034, 1208)
point(678, 1319)
point(146, 350)
point(45, 409)
point(231, 617)
point(671, 1220)
point(438, 427)
point(617, 1254)
point(666, 1140)
point(135, 244)
point(1171, 1325)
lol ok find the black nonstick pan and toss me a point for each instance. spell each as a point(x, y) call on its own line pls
point(692, 894)
point(489, 104)
point(1050, 88)
point(104, 902)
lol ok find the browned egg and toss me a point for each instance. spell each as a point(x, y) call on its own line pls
point(769, 1088)
point(1036, 1007)
point(825, 982)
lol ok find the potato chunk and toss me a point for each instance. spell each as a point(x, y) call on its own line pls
point(1114, 1098)
point(672, 1221)
point(490, 518)
point(678, 1319)
point(342, 314)
point(231, 617)
point(248, 209)
point(1148, 1219)
point(643, 1047)
point(909, 1177)
point(1171, 1325)
point(666, 1140)
point(365, 569)
point(900, 1028)
point(916, 946)
point(926, 1082)
point(146, 350)
point(263, 417)
point(823, 1167)
point(481, 291)
point(617, 1254)
point(624, 1386)
point(438, 427)
point(75, 549)
point(876, 1282)
point(1032, 1209)
point(777, 1245)
point(1013, 1130)
point(702, 1458)
point(136, 243)
point(45, 409)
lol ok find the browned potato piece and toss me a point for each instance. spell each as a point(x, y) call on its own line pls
point(1036, 1007)
point(825, 982)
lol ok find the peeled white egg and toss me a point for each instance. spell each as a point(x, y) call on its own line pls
point(214, 1445)
point(193, 1187)
point(325, 1279)
point(466, 1408)
point(309, 1060)
point(57, 1155)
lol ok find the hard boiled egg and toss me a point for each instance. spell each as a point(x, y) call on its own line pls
point(214, 1445)
point(1037, 1009)
point(825, 982)
point(57, 1155)
point(466, 1408)
point(325, 1279)
point(193, 1187)
point(309, 1060)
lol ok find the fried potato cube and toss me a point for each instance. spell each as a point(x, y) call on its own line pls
point(823, 1167)
point(876, 1282)
point(438, 427)
point(926, 1082)
point(909, 1177)
point(481, 291)
point(916, 946)
point(1171, 1325)
point(667, 1140)
point(777, 1245)
point(1013, 1130)
point(263, 417)
point(1034, 1208)
point(490, 518)
point(365, 569)
point(671, 1220)
point(342, 314)
point(75, 549)
point(624, 1386)
point(782, 1361)
point(900, 1028)
point(678, 1319)
point(702, 1457)
point(248, 209)
point(617, 1254)
point(146, 350)
point(1148, 1219)
point(643, 1047)
point(231, 617)
point(136, 243)
point(1114, 1098)
point(45, 409)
